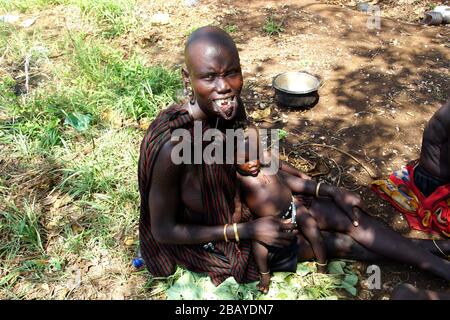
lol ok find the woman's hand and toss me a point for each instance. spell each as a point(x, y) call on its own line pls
point(349, 202)
point(272, 231)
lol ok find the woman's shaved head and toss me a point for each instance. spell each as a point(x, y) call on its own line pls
point(213, 72)
point(208, 38)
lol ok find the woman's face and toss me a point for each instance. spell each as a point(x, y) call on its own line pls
point(216, 79)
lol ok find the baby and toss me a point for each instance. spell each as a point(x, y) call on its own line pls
point(276, 195)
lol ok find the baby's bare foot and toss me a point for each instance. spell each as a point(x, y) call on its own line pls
point(322, 268)
point(264, 282)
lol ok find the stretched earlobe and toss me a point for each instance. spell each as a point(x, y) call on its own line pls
point(188, 91)
point(185, 76)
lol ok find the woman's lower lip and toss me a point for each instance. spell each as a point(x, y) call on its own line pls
point(227, 111)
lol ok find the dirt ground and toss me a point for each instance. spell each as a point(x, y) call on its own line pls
point(379, 88)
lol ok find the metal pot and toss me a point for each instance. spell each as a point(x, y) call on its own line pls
point(296, 89)
point(432, 18)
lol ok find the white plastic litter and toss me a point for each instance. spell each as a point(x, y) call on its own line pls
point(160, 18)
point(9, 18)
point(28, 22)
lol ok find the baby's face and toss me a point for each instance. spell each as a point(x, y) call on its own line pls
point(251, 168)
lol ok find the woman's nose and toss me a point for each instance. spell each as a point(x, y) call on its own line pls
point(222, 85)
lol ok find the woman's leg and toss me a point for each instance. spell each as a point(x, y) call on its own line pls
point(378, 238)
point(434, 247)
point(407, 291)
point(338, 245)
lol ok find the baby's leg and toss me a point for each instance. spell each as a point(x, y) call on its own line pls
point(308, 226)
point(261, 254)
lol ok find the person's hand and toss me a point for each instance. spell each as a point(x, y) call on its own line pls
point(304, 176)
point(273, 231)
point(350, 203)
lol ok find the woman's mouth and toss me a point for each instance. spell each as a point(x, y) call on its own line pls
point(226, 106)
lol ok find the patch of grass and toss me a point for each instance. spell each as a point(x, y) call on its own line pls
point(231, 28)
point(272, 27)
point(28, 5)
point(94, 81)
point(125, 85)
point(82, 115)
point(114, 17)
point(102, 170)
point(22, 230)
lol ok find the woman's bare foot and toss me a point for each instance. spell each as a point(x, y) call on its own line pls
point(264, 282)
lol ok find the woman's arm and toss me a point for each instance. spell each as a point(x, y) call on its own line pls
point(347, 201)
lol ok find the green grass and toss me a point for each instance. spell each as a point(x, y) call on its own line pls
point(113, 17)
point(27, 5)
point(22, 228)
point(96, 80)
point(77, 132)
point(231, 28)
point(272, 27)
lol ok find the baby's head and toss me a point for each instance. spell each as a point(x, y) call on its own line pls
point(247, 156)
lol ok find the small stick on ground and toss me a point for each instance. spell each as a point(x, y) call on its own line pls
point(370, 172)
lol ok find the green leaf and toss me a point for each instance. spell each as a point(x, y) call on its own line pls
point(174, 293)
point(303, 269)
point(80, 122)
point(282, 134)
point(280, 276)
point(351, 279)
point(349, 288)
point(228, 289)
point(336, 267)
point(329, 298)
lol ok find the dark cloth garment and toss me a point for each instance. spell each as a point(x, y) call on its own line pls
point(426, 182)
point(284, 258)
point(218, 190)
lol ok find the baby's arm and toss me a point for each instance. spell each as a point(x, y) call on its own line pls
point(286, 167)
point(309, 228)
point(299, 185)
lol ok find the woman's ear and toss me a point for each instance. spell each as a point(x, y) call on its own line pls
point(185, 76)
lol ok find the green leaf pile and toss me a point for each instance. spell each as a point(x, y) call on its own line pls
point(304, 284)
point(80, 122)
